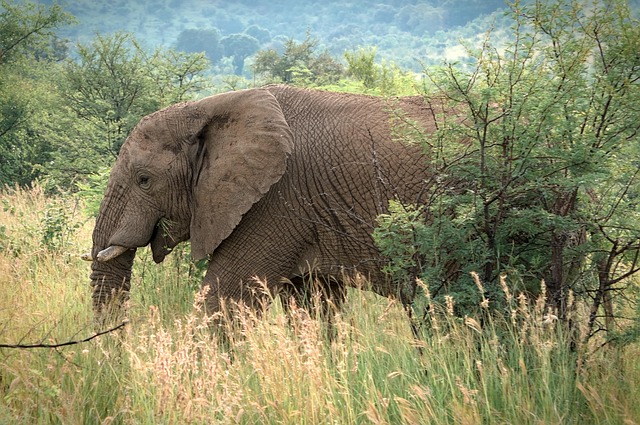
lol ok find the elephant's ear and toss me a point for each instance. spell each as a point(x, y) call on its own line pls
point(240, 143)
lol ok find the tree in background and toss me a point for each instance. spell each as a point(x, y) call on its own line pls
point(176, 76)
point(239, 47)
point(27, 30)
point(27, 44)
point(420, 19)
point(298, 64)
point(537, 176)
point(64, 120)
point(362, 66)
point(108, 88)
point(383, 79)
point(263, 35)
point(198, 41)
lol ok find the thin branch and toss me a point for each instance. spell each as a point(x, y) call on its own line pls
point(67, 343)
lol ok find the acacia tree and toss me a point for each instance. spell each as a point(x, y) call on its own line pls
point(107, 89)
point(239, 47)
point(385, 79)
point(27, 46)
point(299, 64)
point(28, 28)
point(536, 175)
point(176, 76)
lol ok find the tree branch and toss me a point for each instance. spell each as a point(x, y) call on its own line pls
point(64, 344)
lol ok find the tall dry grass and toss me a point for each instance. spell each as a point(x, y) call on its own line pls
point(168, 366)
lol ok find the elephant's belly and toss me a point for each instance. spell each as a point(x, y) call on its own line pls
point(355, 270)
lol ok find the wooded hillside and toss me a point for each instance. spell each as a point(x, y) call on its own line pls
point(407, 32)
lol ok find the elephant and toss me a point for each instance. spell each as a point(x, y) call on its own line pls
point(270, 184)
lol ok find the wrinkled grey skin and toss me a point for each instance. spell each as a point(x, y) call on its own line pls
point(271, 183)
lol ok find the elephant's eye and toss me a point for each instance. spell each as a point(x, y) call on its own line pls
point(144, 181)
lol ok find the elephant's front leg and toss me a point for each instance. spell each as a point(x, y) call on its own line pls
point(248, 272)
point(228, 293)
point(322, 296)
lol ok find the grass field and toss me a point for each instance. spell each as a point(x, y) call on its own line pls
point(166, 366)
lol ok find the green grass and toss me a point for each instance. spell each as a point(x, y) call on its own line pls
point(167, 367)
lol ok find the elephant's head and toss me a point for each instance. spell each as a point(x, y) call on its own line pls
point(188, 171)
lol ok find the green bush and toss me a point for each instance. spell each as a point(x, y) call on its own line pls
point(92, 190)
point(58, 223)
point(534, 172)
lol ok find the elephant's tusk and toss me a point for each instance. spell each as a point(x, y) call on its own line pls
point(110, 253)
point(86, 256)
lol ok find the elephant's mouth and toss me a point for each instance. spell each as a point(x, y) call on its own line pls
point(161, 245)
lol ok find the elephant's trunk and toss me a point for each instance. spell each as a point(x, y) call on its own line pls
point(111, 282)
point(111, 265)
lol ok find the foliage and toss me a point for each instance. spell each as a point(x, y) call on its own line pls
point(239, 46)
point(397, 235)
point(263, 35)
point(405, 234)
point(201, 41)
point(49, 229)
point(536, 173)
point(58, 223)
point(27, 30)
point(298, 64)
point(361, 65)
point(111, 85)
point(420, 18)
point(382, 79)
point(18, 156)
point(167, 365)
point(63, 119)
point(106, 87)
point(175, 76)
point(91, 190)
point(27, 42)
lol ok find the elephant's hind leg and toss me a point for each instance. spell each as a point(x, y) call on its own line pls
point(321, 297)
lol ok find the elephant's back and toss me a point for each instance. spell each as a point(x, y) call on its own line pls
point(314, 114)
point(360, 146)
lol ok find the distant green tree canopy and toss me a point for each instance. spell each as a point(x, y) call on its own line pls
point(398, 29)
point(239, 47)
point(201, 40)
point(263, 35)
point(298, 64)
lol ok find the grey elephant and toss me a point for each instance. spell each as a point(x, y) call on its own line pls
point(273, 183)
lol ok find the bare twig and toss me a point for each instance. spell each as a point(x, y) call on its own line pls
point(64, 344)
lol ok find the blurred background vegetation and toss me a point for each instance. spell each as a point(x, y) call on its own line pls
point(406, 32)
point(76, 76)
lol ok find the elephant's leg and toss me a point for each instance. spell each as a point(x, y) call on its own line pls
point(228, 302)
point(229, 307)
point(247, 270)
point(318, 294)
point(322, 297)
